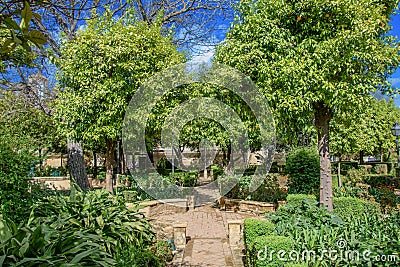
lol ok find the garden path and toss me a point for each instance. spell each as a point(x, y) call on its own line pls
point(207, 231)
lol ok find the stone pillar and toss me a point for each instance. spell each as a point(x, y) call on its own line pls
point(180, 235)
point(190, 202)
point(235, 232)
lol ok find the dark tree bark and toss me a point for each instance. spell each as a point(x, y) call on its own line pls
point(76, 164)
point(94, 165)
point(110, 163)
point(323, 115)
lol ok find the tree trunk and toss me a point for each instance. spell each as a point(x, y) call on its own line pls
point(110, 163)
point(76, 164)
point(94, 165)
point(339, 176)
point(323, 115)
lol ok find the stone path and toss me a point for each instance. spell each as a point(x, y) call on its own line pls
point(207, 234)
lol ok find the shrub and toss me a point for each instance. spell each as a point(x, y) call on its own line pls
point(45, 245)
point(268, 191)
point(360, 191)
point(254, 228)
point(137, 257)
point(302, 165)
point(15, 198)
point(162, 250)
point(264, 245)
point(376, 180)
point(97, 212)
point(303, 211)
point(348, 207)
point(297, 199)
point(386, 197)
point(354, 177)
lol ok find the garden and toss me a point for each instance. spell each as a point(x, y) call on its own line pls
point(318, 135)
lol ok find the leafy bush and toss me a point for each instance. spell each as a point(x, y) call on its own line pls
point(217, 171)
point(297, 199)
point(375, 180)
point(360, 191)
point(304, 211)
point(98, 212)
point(256, 227)
point(302, 165)
point(348, 207)
point(386, 197)
point(15, 163)
point(354, 177)
point(185, 179)
point(162, 250)
point(316, 229)
point(268, 191)
point(137, 257)
point(81, 229)
point(45, 245)
point(264, 245)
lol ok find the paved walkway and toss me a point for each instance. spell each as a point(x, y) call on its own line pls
point(207, 231)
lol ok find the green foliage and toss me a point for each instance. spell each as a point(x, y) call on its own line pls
point(162, 250)
point(298, 199)
point(349, 208)
point(266, 244)
point(19, 34)
point(302, 165)
point(304, 211)
point(376, 180)
point(137, 257)
point(186, 179)
point(354, 177)
point(15, 163)
point(100, 213)
point(370, 231)
point(290, 49)
point(369, 130)
point(28, 123)
point(360, 191)
point(45, 245)
point(80, 229)
point(386, 197)
point(268, 191)
point(254, 228)
point(102, 68)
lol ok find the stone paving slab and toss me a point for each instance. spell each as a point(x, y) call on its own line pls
point(207, 234)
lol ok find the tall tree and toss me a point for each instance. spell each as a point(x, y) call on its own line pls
point(100, 71)
point(314, 58)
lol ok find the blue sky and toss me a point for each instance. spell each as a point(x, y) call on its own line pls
point(395, 22)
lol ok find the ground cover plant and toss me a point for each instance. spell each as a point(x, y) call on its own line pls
point(91, 228)
point(302, 226)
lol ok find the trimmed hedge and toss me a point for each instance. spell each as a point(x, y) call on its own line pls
point(376, 180)
point(350, 207)
point(302, 165)
point(254, 228)
point(264, 252)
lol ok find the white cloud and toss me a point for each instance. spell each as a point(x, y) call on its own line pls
point(206, 55)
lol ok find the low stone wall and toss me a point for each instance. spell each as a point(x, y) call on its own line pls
point(240, 205)
point(157, 207)
point(59, 183)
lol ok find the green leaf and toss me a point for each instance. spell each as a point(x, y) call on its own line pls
point(26, 17)
point(37, 37)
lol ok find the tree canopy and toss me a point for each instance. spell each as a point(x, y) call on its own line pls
point(100, 71)
point(313, 59)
